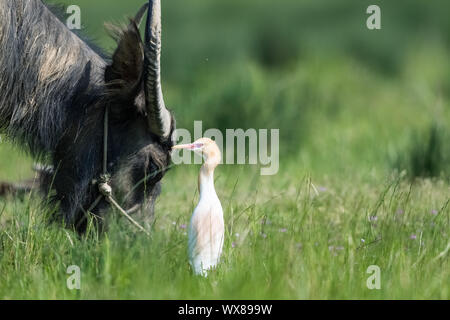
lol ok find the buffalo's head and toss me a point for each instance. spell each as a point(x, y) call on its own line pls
point(139, 133)
point(141, 127)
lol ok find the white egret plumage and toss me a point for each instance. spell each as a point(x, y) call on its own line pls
point(206, 228)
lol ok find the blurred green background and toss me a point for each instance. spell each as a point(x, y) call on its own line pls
point(372, 98)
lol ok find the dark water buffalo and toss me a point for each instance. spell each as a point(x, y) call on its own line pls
point(54, 91)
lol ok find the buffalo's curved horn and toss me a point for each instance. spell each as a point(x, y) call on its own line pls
point(159, 118)
point(138, 17)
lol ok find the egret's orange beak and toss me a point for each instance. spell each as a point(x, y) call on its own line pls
point(189, 146)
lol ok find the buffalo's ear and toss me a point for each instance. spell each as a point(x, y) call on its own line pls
point(125, 71)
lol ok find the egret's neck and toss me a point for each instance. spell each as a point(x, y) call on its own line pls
point(206, 180)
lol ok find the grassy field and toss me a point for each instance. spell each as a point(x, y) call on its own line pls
point(364, 173)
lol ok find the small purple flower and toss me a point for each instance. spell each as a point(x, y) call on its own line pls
point(400, 212)
point(233, 244)
point(323, 189)
point(373, 218)
point(183, 226)
point(434, 212)
point(362, 240)
point(413, 237)
point(283, 230)
point(263, 235)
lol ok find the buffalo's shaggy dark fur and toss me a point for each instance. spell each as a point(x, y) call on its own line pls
point(53, 96)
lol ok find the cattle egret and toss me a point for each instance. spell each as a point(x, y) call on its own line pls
point(206, 228)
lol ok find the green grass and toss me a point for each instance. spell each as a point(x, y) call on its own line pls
point(287, 237)
point(352, 108)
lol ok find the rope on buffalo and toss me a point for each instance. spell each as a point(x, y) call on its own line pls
point(104, 186)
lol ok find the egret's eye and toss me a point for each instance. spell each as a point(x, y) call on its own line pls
point(197, 146)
